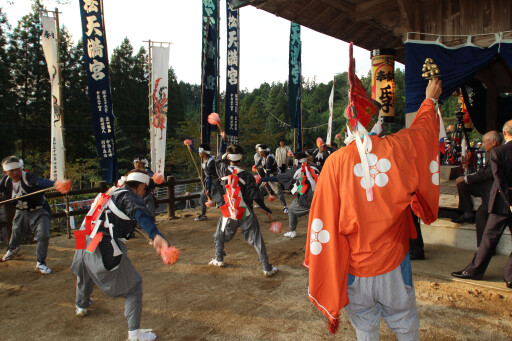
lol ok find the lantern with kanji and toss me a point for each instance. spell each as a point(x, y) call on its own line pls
point(383, 82)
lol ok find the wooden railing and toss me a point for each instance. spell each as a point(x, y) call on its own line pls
point(102, 187)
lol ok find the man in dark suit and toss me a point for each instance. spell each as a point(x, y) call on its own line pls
point(500, 212)
point(478, 185)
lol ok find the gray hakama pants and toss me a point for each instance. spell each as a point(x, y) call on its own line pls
point(121, 281)
point(294, 212)
point(252, 235)
point(38, 220)
point(390, 296)
point(277, 188)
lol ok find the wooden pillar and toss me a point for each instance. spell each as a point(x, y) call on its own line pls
point(68, 218)
point(170, 197)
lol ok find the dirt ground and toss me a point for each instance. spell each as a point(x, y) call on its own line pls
point(193, 301)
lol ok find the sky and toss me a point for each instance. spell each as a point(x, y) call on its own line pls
point(263, 38)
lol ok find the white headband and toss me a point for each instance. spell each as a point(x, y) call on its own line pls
point(141, 160)
point(12, 165)
point(235, 157)
point(202, 150)
point(139, 177)
point(302, 160)
point(263, 150)
point(121, 181)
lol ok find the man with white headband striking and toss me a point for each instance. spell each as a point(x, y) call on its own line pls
point(32, 211)
point(101, 257)
point(303, 176)
point(360, 224)
point(212, 186)
point(269, 165)
point(238, 212)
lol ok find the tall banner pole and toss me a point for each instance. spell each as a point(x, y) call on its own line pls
point(51, 48)
point(159, 108)
point(331, 110)
point(61, 106)
point(294, 84)
point(216, 101)
point(300, 138)
point(210, 79)
point(232, 74)
point(204, 126)
point(98, 81)
point(150, 107)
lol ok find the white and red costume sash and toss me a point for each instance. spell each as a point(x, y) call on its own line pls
point(234, 207)
point(92, 223)
point(303, 174)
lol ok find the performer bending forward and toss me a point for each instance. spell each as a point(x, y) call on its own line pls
point(241, 191)
point(304, 178)
point(108, 265)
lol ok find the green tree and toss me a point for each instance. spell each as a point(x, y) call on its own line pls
point(176, 109)
point(129, 95)
point(7, 113)
point(31, 80)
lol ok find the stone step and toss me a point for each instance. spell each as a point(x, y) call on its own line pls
point(462, 236)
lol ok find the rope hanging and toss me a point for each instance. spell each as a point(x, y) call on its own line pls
point(283, 124)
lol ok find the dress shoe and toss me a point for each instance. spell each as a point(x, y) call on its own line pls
point(465, 275)
point(509, 284)
point(464, 219)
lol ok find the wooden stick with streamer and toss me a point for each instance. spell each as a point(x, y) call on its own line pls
point(187, 143)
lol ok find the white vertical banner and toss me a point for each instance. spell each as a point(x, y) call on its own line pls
point(331, 109)
point(49, 42)
point(160, 86)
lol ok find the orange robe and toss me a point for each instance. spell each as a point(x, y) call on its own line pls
point(348, 233)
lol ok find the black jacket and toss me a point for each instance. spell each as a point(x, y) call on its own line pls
point(500, 197)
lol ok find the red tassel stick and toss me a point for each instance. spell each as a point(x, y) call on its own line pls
point(158, 178)
point(214, 119)
point(169, 255)
point(276, 226)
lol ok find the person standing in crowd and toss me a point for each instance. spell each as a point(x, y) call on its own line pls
point(282, 157)
point(107, 265)
point(238, 212)
point(212, 186)
point(270, 168)
point(258, 167)
point(32, 212)
point(500, 212)
point(360, 224)
point(304, 178)
point(479, 185)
